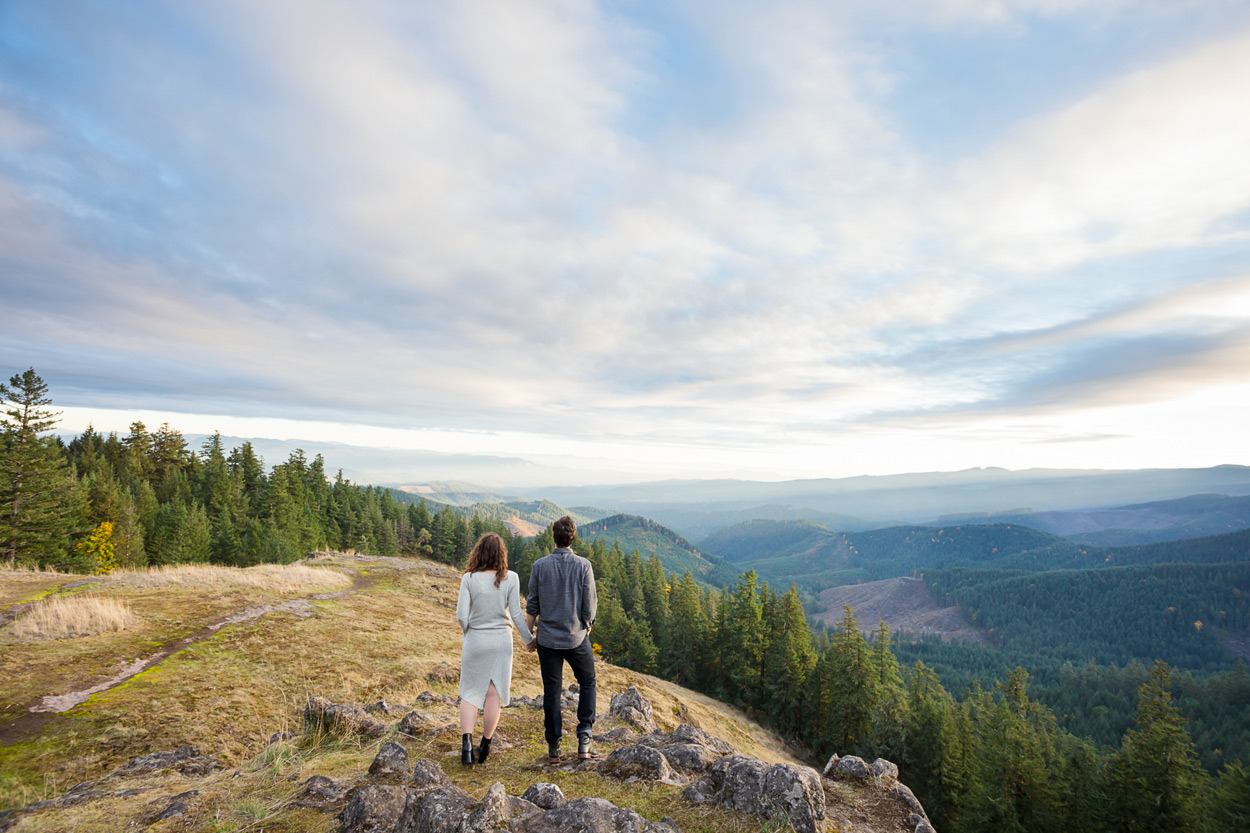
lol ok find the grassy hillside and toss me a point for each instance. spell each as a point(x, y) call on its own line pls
point(354, 629)
point(635, 533)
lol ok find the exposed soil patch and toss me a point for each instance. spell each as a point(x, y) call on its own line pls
point(904, 604)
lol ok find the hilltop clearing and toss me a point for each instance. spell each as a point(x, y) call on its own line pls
point(230, 658)
point(904, 604)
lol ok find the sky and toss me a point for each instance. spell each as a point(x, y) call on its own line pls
point(633, 240)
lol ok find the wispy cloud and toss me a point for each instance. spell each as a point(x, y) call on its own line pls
point(705, 224)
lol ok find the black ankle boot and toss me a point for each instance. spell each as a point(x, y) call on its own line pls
point(483, 750)
point(466, 749)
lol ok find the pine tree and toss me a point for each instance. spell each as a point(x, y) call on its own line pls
point(789, 661)
point(853, 687)
point(36, 485)
point(1154, 781)
point(1230, 807)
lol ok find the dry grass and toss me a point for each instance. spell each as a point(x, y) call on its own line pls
point(65, 617)
point(276, 578)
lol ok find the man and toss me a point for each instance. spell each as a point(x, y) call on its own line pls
point(562, 600)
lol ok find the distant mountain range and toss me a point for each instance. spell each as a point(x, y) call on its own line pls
point(695, 508)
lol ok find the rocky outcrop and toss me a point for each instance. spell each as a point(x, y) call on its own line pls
point(752, 786)
point(635, 763)
point(589, 815)
point(427, 774)
point(374, 808)
point(187, 759)
point(632, 708)
point(543, 795)
point(320, 793)
point(414, 723)
point(392, 759)
point(341, 718)
point(881, 768)
point(854, 767)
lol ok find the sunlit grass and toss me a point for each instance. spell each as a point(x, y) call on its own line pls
point(66, 617)
point(277, 578)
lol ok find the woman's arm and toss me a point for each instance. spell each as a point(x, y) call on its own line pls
point(462, 604)
point(514, 609)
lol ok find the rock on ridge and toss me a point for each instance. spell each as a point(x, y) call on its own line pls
point(341, 718)
point(634, 709)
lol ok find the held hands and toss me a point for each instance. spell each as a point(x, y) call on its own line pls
point(532, 646)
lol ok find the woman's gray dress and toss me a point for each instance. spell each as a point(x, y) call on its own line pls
point(486, 653)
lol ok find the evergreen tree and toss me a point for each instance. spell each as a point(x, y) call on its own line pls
point(789, 661)
point(853, 687)
point(1154, 781)
point(37, 489)
point(1230, 808)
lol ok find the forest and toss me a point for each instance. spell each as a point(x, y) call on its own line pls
point(992, 759)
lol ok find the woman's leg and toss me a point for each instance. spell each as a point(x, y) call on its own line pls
point(490, 712)
point(468, 713)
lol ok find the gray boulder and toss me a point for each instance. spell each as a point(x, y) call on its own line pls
point(686, 733)
point(491, 814)
point(923, 826)
point(374, 808)
point(882, 767)
point(854, 767)
point(428, 775)
point(384, 708)
point(639, 762)
point(344, 718)
point(392, 759)
point(832, 766)
point(632, 708)
point(688, 758)
point(444, 810)
point(702, 790)
point(589, 815)
point(414, 723)
point(740, 781)
point(904, 794)
point(320, 793)
point(796, 793)
point(546, 796)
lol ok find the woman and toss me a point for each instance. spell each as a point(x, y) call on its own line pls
point(489, 593)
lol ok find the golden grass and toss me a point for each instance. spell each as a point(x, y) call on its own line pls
point(65, 617)
point(277, 578)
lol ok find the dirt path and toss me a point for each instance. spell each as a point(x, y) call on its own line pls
point(46, 710)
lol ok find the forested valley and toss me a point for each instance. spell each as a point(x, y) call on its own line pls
point(993, 758)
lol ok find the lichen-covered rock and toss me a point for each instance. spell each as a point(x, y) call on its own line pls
point(904, 794)
point(341, 717)
point(413, 723)
point(634, 709)
point(854, 767)
point(641, 762)
point(796, 792)
point(429, 698)
point(384, 708)
point(688, 758)
point(686, 733)
point(491, 814)
point(186, 759)
point(923, 826)
point(428, 775)
point(521, 807)
point(544, 795)
point(374, 808)
point(741, 781)
point(320, 793)
point(392, 759)
point(621, 734)
point(444, 810)
point(702, 790)
point(832, 766)
point(882, 767)
point(588, 815)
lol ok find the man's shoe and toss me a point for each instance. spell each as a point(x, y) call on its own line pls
point(553, 753)
point(483, 750)
point(466, 750)
point(584, 750)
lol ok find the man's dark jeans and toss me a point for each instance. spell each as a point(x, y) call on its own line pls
point(551, 662)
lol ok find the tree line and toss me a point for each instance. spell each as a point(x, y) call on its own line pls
point(993, 760)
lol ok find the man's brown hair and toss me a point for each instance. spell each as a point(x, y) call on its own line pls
point(564, 531)
point(489, 553)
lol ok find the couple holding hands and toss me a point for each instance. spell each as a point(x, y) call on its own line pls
point(562, 603)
